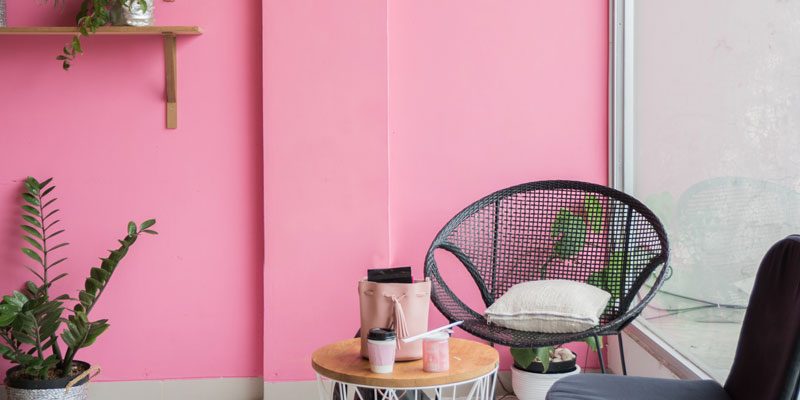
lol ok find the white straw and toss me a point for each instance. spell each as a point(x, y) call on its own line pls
point(422, 335)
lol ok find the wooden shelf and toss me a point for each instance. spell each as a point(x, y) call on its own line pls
point(169, 33)
point(104, 30)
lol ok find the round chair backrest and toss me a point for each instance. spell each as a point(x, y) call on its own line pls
point(555, 230)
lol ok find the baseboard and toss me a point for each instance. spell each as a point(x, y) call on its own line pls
point(178, 389)
point(302, 390)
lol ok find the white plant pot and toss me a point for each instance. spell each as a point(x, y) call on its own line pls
point(534, 386)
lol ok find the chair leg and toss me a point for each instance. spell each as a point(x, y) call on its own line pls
point(600, 354)
point(622, 354)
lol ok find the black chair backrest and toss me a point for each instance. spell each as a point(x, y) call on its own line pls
point(556, 230)
point(767, 361)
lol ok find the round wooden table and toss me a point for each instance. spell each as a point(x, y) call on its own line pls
point(473, 369)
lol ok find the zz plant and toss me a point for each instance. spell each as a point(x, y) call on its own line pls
point(92, 15)
point(30, 320)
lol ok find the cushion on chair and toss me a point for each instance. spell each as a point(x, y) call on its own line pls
point(616, 387)
point(554, 306)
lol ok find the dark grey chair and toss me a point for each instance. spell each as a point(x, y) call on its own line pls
point(767, 361)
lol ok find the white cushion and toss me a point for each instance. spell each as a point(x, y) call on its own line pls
point(553, 306)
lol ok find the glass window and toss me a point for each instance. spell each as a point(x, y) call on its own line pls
point(716, 154)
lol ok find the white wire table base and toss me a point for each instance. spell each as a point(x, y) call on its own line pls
point(479, 388)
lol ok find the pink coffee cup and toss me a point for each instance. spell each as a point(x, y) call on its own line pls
point(381, 347)
point(436, 352)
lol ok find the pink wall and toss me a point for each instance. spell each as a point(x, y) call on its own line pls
point(325, 176)
point(485, 95)
point(187, 303)
point(380, 121)
point(481, 95)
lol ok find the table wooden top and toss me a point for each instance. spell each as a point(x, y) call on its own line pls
point(342, 361)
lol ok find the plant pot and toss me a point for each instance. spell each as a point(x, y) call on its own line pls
point(534, 385)
point(134, 15)
point(3, 21)
point(554, 367)
point(29, 389)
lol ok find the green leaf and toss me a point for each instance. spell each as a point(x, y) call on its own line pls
point(32, 288)
point(76, 44)
point(92, 285)
point(31, 188)
point(32, 254)
point(609, 277)
point(570, 232)
point(592, 344)
point(594, 213)
point(48, 190)
point(54, 234)
point(58, 277)
point(147, 224)
point(58, 246)
point(33, 242)
point(4, 350)
point(523, 356)
point(44, 183)
point(543, 354)
point(32, 220)
point(50, 225)
point(57, 262)
point(100, 274)
point(131, 228)
point(33, 231)
point(150, 231)
point(143, 4)
point(69, 339)
point(34, 272)
point(85, 298)
point(7, 319)
point(31, 199)
point(31, 210)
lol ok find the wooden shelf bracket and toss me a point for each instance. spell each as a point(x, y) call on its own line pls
point(171, 74)
point(170, 34)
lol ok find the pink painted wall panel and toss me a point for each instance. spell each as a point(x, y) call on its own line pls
point(485, 95)
point(187, 303)
point(325, 175)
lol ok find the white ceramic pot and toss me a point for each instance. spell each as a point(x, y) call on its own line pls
point(534, 386)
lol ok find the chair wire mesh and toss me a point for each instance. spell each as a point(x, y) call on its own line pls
point(551, 230)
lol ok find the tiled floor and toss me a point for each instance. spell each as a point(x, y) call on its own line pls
point(708, 338)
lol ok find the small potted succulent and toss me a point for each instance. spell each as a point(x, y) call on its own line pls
point(96, 13)
point(34, 322)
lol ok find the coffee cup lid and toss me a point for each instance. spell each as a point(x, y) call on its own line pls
point(381, 334)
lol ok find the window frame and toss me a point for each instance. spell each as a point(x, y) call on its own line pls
point(621, 70)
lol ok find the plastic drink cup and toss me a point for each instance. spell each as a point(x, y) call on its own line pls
point(436, 352)
point(381, 347)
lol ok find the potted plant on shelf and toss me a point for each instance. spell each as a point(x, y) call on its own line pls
point(536, 369)
point(96, 13)
point(33, 320)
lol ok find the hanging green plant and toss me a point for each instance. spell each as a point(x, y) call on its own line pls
point(92, 15)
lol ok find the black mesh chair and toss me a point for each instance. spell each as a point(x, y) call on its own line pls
point(552, 230)
point(767, 361)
